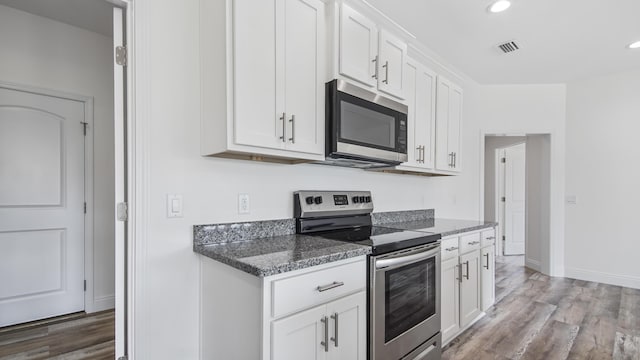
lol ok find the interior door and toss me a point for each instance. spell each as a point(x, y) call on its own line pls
point(514, 204)
point(358, 47)
point(41, 206)
point(119, 119)
point(304, 70)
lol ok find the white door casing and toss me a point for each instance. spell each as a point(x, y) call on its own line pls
point(42, 195)
point(120, 186)
point(514, 204)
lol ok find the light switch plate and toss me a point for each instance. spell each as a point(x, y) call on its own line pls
point(174, 206)
point(571, 199)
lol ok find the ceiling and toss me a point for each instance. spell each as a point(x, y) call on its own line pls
point(92, 15)
point(561, 40)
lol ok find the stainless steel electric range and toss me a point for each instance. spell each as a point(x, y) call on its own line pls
point(404, 272)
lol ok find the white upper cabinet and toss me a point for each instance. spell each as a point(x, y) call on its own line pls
point(301, 88)
point(358, 47)
point(448, 126)
point(263, 79)
point(369, 55)
point(391, 59)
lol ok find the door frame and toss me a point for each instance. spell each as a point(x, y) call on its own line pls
point(552, 251)
point(88, 239)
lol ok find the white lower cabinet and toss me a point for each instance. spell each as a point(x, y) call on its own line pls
point(333, 331)
point(316, 313)
point(467, 282)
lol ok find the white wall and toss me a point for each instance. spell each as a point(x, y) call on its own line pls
point(44, 53)
point(603, 123)
point(538, 206)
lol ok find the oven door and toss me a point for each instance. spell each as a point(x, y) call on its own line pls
point(363, 125)
point(405, 300)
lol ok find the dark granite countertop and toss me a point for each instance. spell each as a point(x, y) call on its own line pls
point(445, 227)
point(279, 254)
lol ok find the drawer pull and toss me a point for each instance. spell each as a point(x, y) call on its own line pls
point(473, 243)
point(325, 343)
point(335, 329)
point(491, 238)
point(333, 285)
point(452, 248)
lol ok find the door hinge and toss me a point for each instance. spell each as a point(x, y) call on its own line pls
point(503, 199)
point(85, 207)
point(504, 160)
point(85, 285)
point(121, 55)
point(122, 211)
point(84, 127)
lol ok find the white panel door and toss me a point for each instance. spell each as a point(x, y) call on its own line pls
point(514, 205)
point(257, 121)
point(450, 299)
point(298, 336)
point(469, 287)
point(304, 70)
point(487, 277)
point(358, 47)
point(41, 206)
point(348, 327)
point(425, 114)
point(391, 61)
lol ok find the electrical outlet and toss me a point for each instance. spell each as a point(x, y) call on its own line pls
point(243, 204)
point(572, 199)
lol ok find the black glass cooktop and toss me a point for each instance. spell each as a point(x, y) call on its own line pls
point(381, 239)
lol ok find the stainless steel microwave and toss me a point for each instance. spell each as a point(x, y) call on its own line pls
point(364, 129)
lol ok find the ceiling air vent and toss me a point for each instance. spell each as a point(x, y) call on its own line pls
point(508, 47)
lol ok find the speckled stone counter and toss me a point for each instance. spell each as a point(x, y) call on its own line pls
point(275, 255)
point(445, 227)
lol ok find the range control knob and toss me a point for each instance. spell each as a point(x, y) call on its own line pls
point(355, 199)
point(318, 200)
point(362, 199)
point(309, 200)
point(367, 199)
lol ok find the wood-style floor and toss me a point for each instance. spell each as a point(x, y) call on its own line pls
point(71, 337)
point(539, 317)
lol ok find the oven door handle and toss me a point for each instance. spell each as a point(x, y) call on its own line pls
point(407, 259)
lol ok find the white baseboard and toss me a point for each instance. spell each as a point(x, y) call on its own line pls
point(102, 303)
point(602, 277)
point(532, 264)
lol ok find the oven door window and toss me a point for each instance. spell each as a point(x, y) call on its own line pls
point(365, 126)
point(410, 297)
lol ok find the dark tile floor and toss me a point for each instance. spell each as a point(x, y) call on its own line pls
point(539, 317)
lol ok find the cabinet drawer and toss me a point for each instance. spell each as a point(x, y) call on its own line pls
point(309, 289)
point(488, 237)
point(450, 248)
point(469, 242)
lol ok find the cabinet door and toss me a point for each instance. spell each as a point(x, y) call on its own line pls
point(298, 336)
point(391, 61)
point(358, 47)
point(256, 120)
point(487, 278)
point(450, 299)
point(455, 126)
point(300, 89)
point(425, 114)
point(414, 154)
point(448, 125)
point(469, 287)
point(348, 328)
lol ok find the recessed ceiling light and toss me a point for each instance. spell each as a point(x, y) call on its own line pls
point(635, 45)
point(499, 6)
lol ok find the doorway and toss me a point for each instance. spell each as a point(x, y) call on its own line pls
point(516, 195)
point(62, 116)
